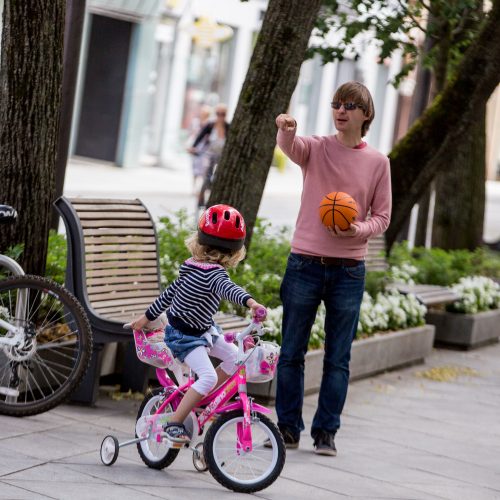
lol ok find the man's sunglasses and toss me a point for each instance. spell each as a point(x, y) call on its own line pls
point(348, 106)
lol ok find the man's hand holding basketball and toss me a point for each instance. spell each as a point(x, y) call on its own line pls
point(352, 230)
point(286, 122)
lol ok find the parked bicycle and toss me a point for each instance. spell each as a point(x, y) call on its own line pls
point(242, 449)
point(45, 339)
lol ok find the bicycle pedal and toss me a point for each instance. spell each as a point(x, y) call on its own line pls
point(172, 444)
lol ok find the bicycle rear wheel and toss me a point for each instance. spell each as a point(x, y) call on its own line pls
point(154, 454)
point(52, 355)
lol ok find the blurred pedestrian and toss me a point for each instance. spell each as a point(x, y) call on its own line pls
point(200, 160)
point(214, 133)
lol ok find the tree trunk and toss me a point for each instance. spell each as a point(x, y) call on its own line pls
point(30, 87)
point(460, 190)
point(269, 84)
point(460, 200)
point(75, 16)
point(431, 144)
point(433, 85)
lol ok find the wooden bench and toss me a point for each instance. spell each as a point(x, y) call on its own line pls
point(113, 270)
point(428, 295)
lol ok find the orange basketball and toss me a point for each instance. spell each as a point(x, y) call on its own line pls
point(338, 209)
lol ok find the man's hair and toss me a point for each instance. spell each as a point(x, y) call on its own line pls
point(213, 255)
point(358, 93)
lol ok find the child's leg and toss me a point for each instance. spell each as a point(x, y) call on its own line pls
point(228, 353)
point(200, 363)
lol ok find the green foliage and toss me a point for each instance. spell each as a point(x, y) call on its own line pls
point(14, 253)
point(375, 282)
point(56, 257)
point(172, 232)
point(445, 267)
point(263, 269)
point(394, 25)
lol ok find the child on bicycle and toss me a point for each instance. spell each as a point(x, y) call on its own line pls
point(192, 300)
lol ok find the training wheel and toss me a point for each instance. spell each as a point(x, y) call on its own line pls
point(109, 450)
point(199, 458)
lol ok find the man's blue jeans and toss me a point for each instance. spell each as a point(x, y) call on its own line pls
point(305, 285)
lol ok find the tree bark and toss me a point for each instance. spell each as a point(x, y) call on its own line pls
point(30, 86)
point(75, 16)
point(460, 201)
point(270, 81)
point(431, 144)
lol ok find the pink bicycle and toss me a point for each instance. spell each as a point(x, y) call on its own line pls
point(242, 449)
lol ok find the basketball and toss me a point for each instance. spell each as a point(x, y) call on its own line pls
point(338, 209)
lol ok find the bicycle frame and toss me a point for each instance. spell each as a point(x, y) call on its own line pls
point(12, 266)
point(217, 401)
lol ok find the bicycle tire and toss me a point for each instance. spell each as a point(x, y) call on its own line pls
point(217, 469)
point(57, 349)
point(144, 447)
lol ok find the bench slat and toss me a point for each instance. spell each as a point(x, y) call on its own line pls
point(139, 265)
point(114, 223)
point(100, 201)
point(125, 293)
point(147, 300)
point(129, 280)
point(112, 207)
point(119, 248)
point(125, 231)
point(131, 273)
point(95, 291)
point(122, 257)
point(106, 217)
point(122, 240)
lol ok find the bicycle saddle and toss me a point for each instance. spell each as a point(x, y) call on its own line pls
point(7, 214)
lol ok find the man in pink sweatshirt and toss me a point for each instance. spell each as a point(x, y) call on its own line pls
point(327, 264)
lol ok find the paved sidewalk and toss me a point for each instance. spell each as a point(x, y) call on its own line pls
point(403, 437)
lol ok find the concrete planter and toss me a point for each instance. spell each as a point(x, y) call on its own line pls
point(385, 351)
point(465, 331)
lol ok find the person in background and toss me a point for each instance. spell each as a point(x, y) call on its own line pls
point(199, 160)
point(214, 133)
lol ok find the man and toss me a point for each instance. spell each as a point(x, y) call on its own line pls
point(327, 264)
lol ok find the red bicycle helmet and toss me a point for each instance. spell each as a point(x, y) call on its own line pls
point(222, 226)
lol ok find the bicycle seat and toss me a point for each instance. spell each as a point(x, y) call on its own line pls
point(7, 214)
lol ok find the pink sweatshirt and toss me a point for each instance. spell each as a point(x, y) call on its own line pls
point(327, 165)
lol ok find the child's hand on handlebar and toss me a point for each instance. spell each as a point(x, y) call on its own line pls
point(259, 312)
point(139, 323)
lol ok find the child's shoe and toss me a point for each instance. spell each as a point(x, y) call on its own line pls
point(177, 433)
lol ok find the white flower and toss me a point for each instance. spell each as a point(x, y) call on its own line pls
point(477, 293)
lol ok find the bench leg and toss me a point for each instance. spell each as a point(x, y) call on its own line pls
point(87, 391)
point(135, 373)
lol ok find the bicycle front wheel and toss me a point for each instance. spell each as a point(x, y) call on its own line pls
point(239, 470)
point(44, 361)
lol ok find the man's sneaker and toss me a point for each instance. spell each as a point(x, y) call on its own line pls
point(291, 442)
point(324, 444)
point(177, 433)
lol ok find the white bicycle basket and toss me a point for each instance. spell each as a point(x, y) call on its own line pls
point(262, 363)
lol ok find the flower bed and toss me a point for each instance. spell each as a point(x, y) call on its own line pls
point(474, 319)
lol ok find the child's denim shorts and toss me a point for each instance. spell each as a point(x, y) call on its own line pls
point(181, 345)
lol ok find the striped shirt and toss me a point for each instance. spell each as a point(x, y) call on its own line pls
point(194, 297)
